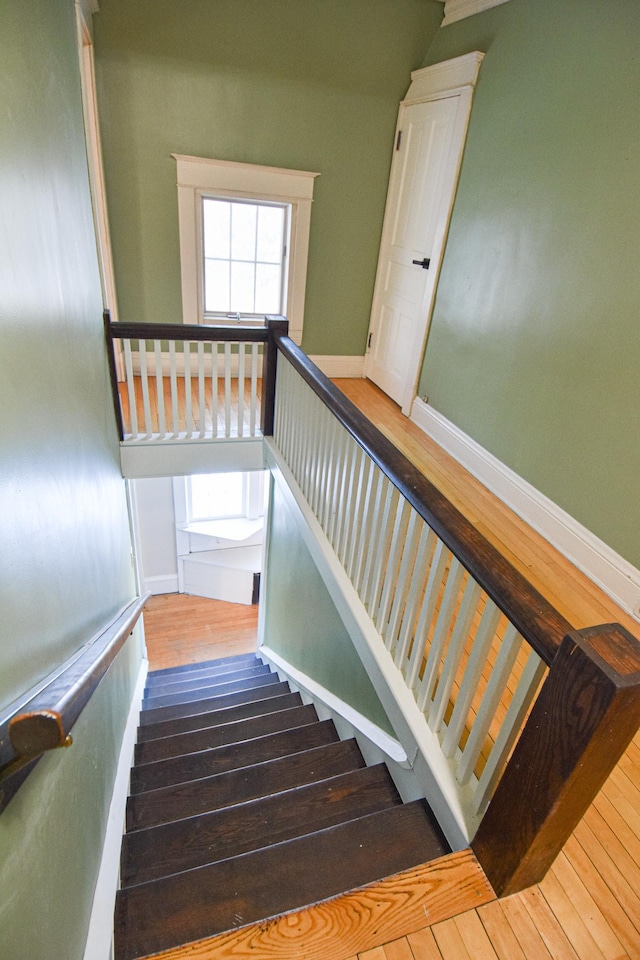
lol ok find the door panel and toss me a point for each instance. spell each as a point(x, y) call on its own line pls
point(421, 187)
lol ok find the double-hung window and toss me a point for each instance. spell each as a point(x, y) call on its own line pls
point(244, 238)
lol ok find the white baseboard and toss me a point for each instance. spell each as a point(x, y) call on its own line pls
point(611, 572)
point(166, 583)
point(100, 933)
point(337, 367)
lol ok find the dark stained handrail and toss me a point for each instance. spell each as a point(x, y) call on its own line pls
point(239, 333)
point(44, 721)
point(537, 620)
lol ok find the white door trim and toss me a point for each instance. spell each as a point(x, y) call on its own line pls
point(451, 78)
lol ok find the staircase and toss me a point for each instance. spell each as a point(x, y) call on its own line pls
point(244, 806)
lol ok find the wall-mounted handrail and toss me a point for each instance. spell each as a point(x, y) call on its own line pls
point(44, 720)
point(534, 617)
point(196, 385)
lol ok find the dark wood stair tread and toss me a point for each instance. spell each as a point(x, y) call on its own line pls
point(185, 844)
point(242, 711)
point(245, 783)
point(269, 686)
point(207, 688)
point(195, 681)
point(209, 738)
point(205, 763)
point(200, 664)
point(189, 906)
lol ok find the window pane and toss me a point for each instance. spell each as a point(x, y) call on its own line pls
point(270, 234)
point(216, 495)
point(243, 231)
point(216, 286)
point(268, 287)
point(216, 222)
point(242, 287)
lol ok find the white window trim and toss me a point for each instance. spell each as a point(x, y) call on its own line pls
point(225, 178)
point(460, 9)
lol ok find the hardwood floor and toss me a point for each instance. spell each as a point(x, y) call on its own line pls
point(182, 629)
point(588, 906)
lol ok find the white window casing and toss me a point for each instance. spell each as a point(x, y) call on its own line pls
point(199, 177)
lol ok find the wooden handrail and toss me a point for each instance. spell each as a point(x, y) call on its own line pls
point(239, 333)
point(536, 619)
point(44, 721)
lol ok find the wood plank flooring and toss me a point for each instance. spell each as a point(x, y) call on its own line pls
point(588, 906)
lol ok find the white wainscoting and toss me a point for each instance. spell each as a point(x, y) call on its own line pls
point(615, 575)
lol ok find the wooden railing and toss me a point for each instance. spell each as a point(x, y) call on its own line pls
point(43, 718)
point(528, 715)
point(187, 382)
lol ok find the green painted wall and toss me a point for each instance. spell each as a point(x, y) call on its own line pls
point(534, 348)
point(64, 564)
point(301, 621)
point(307, 84)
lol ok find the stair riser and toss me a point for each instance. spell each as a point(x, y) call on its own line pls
point(238, 786)
point(195, 670)
point(200, 665)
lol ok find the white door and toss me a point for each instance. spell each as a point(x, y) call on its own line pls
point(424, 174)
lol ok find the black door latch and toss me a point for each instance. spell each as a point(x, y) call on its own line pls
point(422, 263)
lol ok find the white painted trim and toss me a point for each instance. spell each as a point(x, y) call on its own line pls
point(444, 79)
point(450, 803)
point(202, 175)
point(389, 745)
point(459, 9)
point(615, 575)
point(176, 458)
point(100, 934)
point(164, 583)
point(337, 367)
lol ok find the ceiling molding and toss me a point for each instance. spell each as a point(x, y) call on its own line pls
point(459, 9)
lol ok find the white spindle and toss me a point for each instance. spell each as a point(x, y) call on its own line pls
point(144, 384)
point(380, 549)
point(526, 690)
point(459, 639)
point(437, 569)
point(157, 352)
point(347, 501)
point(253, 415)
point(188, 406)
point(374, 478)
point(424, 692)
point(358, 517)
point(396, 547)
point(202, 409)
point(173, 379)
point(407, 577)
point(483, 640)
point(227, 389)
point(214, 389)
point(426, 545)
point(490, 701)
point(241, 358)
point(131, 388)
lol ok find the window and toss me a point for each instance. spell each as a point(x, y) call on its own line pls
point(221, 496)
point(244, 239)
point(244, 246)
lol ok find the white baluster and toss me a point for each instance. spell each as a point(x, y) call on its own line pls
point(426, 546)
point(253, 415)
point(437, 570)
point(393, 562)
point(173, 378)
point(144, 383)
point(162, 425)
point(214, 389)
point(406, 577)
point(202, 408)
point(188, 406)
point(131, 388)
point(241, 358)
point(227, 389)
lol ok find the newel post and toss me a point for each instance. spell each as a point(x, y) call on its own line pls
point(113, 374)
point(586, 714)
point(275, 326)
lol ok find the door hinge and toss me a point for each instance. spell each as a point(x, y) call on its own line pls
point(398, 139)
point(369, 341)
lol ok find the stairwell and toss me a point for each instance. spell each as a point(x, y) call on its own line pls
point(244, 806)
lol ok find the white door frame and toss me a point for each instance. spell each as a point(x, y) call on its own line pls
point(451, 78)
